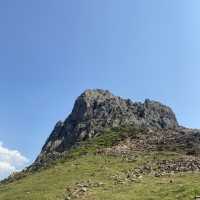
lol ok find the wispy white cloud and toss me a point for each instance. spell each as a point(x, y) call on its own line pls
point(10, 161)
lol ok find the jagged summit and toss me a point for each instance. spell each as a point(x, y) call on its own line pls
point(147, 146)
point(95, 110)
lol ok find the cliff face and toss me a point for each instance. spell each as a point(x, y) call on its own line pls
point(95, 110)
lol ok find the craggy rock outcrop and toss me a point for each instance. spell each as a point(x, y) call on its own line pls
point(95, 110)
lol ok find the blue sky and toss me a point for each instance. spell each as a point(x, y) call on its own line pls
point(50, 51)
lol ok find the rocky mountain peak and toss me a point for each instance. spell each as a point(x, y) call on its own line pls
point(95, 110)
point(87, 101)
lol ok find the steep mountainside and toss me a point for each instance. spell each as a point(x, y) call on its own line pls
point(110, 148)
point(95, 110)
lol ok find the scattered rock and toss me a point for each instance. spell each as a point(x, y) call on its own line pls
point(80, 189)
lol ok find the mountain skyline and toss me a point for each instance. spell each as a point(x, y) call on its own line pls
point(52, 51)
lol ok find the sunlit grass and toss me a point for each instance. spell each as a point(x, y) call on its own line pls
point(83, 164)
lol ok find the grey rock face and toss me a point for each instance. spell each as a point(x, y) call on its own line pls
point(95, 110)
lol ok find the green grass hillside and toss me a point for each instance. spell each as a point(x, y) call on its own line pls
point(87, 174)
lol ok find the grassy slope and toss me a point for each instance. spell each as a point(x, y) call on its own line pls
point(51, 183)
